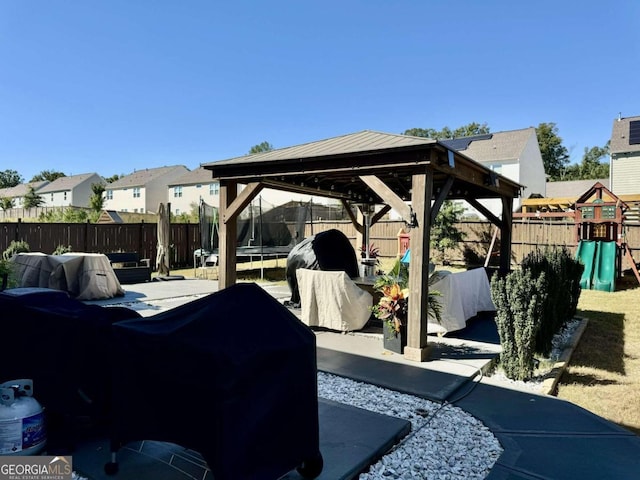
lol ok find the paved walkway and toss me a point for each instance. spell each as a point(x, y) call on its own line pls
point(542, 436)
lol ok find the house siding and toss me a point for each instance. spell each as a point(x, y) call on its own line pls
point(625, 174)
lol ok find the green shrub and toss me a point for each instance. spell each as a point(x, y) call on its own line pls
point(563, 274)
point(518, 298)
point(60, 249)
point(15, 247)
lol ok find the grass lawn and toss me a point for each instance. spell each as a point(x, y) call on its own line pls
point(604, 373)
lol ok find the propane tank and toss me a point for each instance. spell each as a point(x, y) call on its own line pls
point(22, 428)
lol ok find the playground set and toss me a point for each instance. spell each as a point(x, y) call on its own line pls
point(599, 224)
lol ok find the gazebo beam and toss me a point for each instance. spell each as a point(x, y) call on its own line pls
point(485, 211)
point(441, 198)
point(388, 195)
point(241, 201)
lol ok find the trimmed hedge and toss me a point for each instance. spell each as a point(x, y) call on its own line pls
point(532, 305)
point(519, 299)
point(563, 274)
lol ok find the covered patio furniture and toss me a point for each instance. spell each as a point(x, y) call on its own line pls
point(463, 296)
point(85, 276)
point(332, 300)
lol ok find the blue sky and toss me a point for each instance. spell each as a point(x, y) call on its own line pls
point(119, 85)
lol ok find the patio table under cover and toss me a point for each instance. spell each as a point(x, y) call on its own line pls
point(86, 276)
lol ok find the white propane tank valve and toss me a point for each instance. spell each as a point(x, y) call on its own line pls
point(22, 428)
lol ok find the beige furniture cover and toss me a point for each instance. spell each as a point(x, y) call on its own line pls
point(332, 300)
point(86, 276)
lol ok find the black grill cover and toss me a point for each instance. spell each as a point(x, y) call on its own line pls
point(231, 375)
point(63, 345)
point(330, 251)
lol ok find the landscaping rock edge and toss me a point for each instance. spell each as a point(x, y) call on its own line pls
point(552, 378)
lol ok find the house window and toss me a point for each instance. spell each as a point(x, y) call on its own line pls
point(135, 210)
point(214, 188)
point(199, 185)
point(52, 197)
point(65, 195)
point(177, 211)
point(496, 167)
point(136, 192)
point(177, 192)
point(109, 194)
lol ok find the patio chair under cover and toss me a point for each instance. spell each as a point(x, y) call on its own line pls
point(231, 375)
point(332, 300)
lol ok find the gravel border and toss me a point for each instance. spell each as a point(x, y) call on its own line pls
point(445, 441)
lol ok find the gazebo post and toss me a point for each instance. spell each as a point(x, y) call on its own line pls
point(422, 192)
point(228, 233)
point(505, 235)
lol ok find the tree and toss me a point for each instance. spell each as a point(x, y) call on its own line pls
point(10, 178)
point(6, 203)
point(554, 155)
point(444, 233)
point(469, 130)
point(32, 199)
point(113, 178)
point(261, 147)
point(590, 168)
point(47, 175)
point(96, 200)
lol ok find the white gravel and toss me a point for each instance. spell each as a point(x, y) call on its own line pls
point(445, 442)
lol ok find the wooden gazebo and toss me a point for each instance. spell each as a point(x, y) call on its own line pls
point(369, 168)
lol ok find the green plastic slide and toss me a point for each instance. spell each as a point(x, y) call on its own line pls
point(604, 276)
point(585, 254)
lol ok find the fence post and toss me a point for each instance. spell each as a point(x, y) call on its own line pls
point(17, 235)
point(86, 237)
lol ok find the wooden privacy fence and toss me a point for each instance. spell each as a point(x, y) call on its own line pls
point(185, 238)
point(104, 238)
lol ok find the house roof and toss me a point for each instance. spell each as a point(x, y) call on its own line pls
point(142, 177)
point(66, 183)
point(572, 188)
point(193, 177)
point(493, 147)
point(22, 189)
point(346, 166)
point(620, 136)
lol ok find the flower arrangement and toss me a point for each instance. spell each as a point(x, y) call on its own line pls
point(393, 307)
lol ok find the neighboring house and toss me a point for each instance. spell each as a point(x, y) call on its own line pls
point(142, 191)
point(18, 192)
point(514, 154)
point(572, 188)
point(187, 190)
point(71, 191)
point(624, 170)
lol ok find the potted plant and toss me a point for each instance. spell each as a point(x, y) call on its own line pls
point(393, 309)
